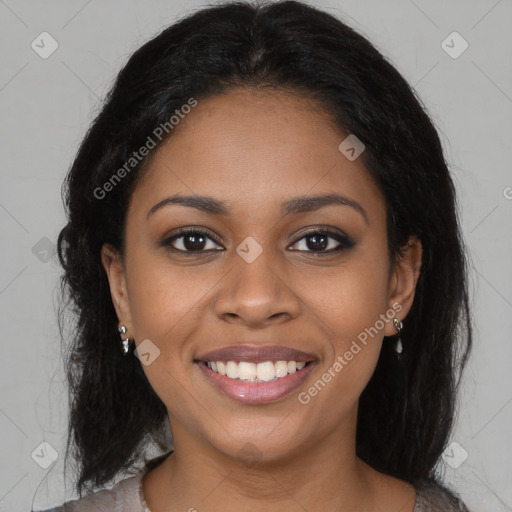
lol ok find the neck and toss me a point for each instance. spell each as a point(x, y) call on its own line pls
point(319, 476)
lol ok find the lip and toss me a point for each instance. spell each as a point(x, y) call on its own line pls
point(257, 392)
point(257, 354)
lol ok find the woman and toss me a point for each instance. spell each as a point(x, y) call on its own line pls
point(265, 260)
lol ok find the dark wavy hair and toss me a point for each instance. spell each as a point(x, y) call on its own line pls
point(407, 410)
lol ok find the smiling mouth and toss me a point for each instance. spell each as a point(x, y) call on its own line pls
point(247, 371)
point(256, 383)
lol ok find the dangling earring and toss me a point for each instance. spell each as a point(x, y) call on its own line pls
point(125, 344)
point(398, 344)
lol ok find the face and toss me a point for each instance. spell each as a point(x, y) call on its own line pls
point(314, 278)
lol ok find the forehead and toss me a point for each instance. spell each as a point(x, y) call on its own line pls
point(254, 147)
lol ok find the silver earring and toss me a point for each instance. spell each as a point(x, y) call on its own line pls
point(125, 344)
point(399, 326)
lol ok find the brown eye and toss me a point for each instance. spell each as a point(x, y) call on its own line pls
point(191, 240)
point(324, 241)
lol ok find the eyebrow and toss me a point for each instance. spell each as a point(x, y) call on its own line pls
point(292, 206)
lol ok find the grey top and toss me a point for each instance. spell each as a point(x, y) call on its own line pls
point(127, 496)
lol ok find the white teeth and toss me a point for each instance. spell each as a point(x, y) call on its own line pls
point(252, 372)
point(221, 368)
point(281, 368)
point(266, 371)
point(232, 370)
point(246, 371)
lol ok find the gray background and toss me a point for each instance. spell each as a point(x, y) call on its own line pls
point(46, 106)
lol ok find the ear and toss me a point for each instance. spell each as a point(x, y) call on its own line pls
point(114, 267)
point(402, 284)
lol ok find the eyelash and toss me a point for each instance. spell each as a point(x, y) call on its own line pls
point(344, 241)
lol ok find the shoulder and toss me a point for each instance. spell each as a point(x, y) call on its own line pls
point(123, 497)
point(431, 496)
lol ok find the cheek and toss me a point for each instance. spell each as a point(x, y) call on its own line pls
point(162, 293)
point(348, 299)
point(165, 305)
point(349, 305)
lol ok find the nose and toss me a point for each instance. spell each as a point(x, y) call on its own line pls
point(256, 294)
